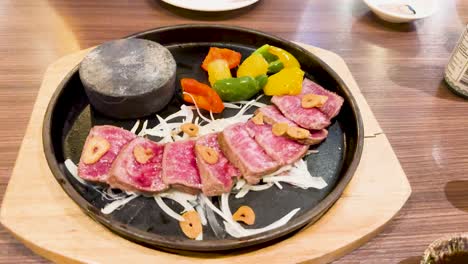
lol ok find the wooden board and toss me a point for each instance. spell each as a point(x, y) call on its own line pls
point(39, 213)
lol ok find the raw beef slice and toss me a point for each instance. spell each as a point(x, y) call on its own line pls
point(245, 153)
point(216, 178)
point(117, 138)
point(272, 115)
point(284, 150)
point(332, 106)
point(180, 167)
point(130, 175)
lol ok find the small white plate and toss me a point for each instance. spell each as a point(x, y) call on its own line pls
point(211, 5)
point(397, 11)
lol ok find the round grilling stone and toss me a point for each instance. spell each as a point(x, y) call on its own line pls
point(129, 78)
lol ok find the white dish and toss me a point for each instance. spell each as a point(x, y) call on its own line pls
point(211, 5)
point(401, 11)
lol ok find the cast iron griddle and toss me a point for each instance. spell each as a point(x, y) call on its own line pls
point(69, 119)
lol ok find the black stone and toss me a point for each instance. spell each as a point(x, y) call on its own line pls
point(128, 78)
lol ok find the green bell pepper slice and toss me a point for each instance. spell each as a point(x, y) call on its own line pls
point(263, 50)
point(241, 88)
point(275, 66)
point(274, 63)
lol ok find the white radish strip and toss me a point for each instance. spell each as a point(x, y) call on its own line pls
point(211, 116)
point(73, 169)
point(200, 236)
point(261, 187)
point(143, 129)
point(280, 170)
point(188, 114)
point(110, 195)
point(231, 105)
point(231, 230)
point(211, 217)
point(180, 198)
point(236, 230)
point(257, 104)
point(201, 213)
point(245, 189)
point(167, 209)
point(244, 109)
point(216, 210)
point(117, 204)
point(277, 184)
point(300, 181)
point(312, 151)
point(135, 127)
point(239, 184)
point(198, 110)
point(225, 205)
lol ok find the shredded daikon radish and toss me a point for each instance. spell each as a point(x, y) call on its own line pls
point(239, 184)
point(247, 187)
point(110, 195)
point(298, 176)
point(167, 209)
point(211, 217)
point(277, 184)
point(181, 198)
point(143, 129)
point(117, 204)
point(235, 227)
point(211, 116)
point(312, 151)
point(198, 109)
point(254, 103)
point(231, 230)
point(199, 237)
point(201, 212)
point(280, 170)
point(73, 169)
point(135, 127)
point(231, 105)
point(236, 230)
point(106, 193)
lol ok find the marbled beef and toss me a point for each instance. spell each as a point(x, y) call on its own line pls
point(245, 153)
point(284, 150)
point(334, 102)
point(216, 178)
point(117, 138)
point(180, 167)
point(272, 115)
point(128, 174)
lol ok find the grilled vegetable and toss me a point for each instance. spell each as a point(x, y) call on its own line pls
point(241, 88)
point(286, 82)
point(288, 60)
point(233, 58)
point(201, 95)
point(253, 66)
point(218, 70)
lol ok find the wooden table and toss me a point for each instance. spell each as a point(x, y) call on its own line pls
point(399, 69)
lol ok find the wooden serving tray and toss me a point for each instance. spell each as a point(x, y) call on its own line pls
point(40, 214)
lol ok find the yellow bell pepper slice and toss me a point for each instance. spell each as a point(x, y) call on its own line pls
point(288, 81)
point(253, 66)
point(218, 70)
point(288, 60)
